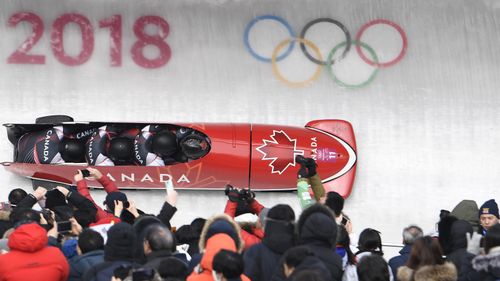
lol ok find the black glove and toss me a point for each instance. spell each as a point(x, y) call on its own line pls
point(232, 193)
point(302, 173)
point(311, 166)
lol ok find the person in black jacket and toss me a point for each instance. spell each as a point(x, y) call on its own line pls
point(458, 243)
point(90, 252)
point(118, 251)
point(158, 244)
point(317, 230)
point(261, 260)
point(302, 259)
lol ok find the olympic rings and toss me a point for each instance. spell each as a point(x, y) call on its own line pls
point(388, 22)
point(330, 61)
point(337, 23)
point(275, 66)
point(267, 17)
point(353, 86)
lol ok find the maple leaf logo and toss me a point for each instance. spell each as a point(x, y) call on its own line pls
point(281, 150)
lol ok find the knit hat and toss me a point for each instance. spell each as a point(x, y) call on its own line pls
point(121, 243)
point(116, 196)
point(489, 207)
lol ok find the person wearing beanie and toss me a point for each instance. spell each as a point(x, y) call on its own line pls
point(488, 215)
point(90, 253)
point(261, 260)
point(317, 230)
point(31, 258)
point(119, 250)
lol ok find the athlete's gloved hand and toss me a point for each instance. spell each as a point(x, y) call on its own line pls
point(302, 173)
point(232, 193)
point(311, 167)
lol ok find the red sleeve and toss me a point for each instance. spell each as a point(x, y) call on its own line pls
point(249, 239)
point(108, 184)
point(256, 207)
point(65, 269)
point(230, 209)
point(83, 189)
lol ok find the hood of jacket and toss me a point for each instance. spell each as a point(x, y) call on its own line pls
point(442, 272)
point(221, 224)
point(220, 241)
point(489, 263)
point(458, 234)
point(467, 210)
point(28, 238)
point(317, 226)
point(279, 236)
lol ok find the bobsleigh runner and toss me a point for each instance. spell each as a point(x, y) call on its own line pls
point(192, 155)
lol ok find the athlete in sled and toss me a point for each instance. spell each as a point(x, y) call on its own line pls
point(192, 155)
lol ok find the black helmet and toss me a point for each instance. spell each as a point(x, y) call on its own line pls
point(121, 149)
point(164, 143)
point(72, 150)
point(194, 146)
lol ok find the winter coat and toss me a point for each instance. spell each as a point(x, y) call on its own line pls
point(214, 244)
point(31, 258)
point(318, 230)
point(80, 264)
point(458, 243)
point(262, 259)
point(311, 263)
point(442, 272)
point(250, 237)
point(104, 271)
point(154, 259)
point(488, 266)
point(398, 261)
point(212, 227)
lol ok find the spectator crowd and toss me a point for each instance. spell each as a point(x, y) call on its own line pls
point(63, 234)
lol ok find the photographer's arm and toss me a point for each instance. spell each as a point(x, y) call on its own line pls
point(32, 198)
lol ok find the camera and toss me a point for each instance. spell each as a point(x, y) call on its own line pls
point(64, 226)
point(85, 173)
point(246, 195)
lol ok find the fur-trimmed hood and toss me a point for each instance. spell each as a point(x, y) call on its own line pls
point(489, 263)
point(317, 225)
point(443, 272)
point(212, 223)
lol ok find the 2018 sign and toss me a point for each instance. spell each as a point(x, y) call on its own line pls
point(23, 56)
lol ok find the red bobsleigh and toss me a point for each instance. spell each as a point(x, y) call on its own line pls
point(261, 157)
